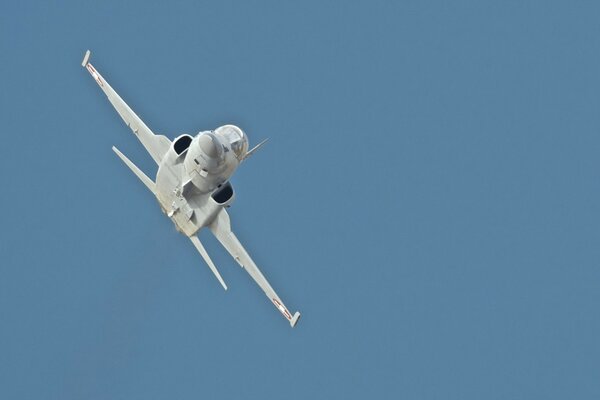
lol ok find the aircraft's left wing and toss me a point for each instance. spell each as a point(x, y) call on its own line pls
point(221, 228)
point(156, 145)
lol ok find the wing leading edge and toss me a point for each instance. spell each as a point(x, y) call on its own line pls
point(221, 228)
point(156, 145)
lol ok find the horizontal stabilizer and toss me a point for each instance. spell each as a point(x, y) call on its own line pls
point(147, 181)
point(206, 257)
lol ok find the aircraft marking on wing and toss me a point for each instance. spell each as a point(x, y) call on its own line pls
point(282, 309)
point(94, 74)
point(192, 183)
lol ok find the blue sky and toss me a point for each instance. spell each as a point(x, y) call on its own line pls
point(429, 200)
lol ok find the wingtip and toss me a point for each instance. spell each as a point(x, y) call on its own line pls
point(86, 58)
point(295, 319)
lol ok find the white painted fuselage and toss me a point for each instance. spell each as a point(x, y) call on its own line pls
point(192, 179)
point(192, 183)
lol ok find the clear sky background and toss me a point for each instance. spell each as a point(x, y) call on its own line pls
point(429, 200)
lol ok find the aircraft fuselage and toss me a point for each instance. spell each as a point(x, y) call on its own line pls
point(192, 179)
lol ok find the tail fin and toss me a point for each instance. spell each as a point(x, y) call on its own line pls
point(253, 150)
point(145, 180)
point(204, 255)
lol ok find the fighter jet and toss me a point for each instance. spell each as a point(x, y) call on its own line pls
point(192, 183)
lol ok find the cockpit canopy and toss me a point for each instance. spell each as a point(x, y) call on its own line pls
point(236, 139)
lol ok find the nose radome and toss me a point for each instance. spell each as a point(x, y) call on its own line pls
point(209, 145)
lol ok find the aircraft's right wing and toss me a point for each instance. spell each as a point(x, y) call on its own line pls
point(221, 228)
point(156, 145)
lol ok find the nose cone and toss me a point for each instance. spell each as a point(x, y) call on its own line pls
point(210, 145)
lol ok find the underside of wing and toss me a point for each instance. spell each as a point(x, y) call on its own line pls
point(156, 145)
point(221, 228)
